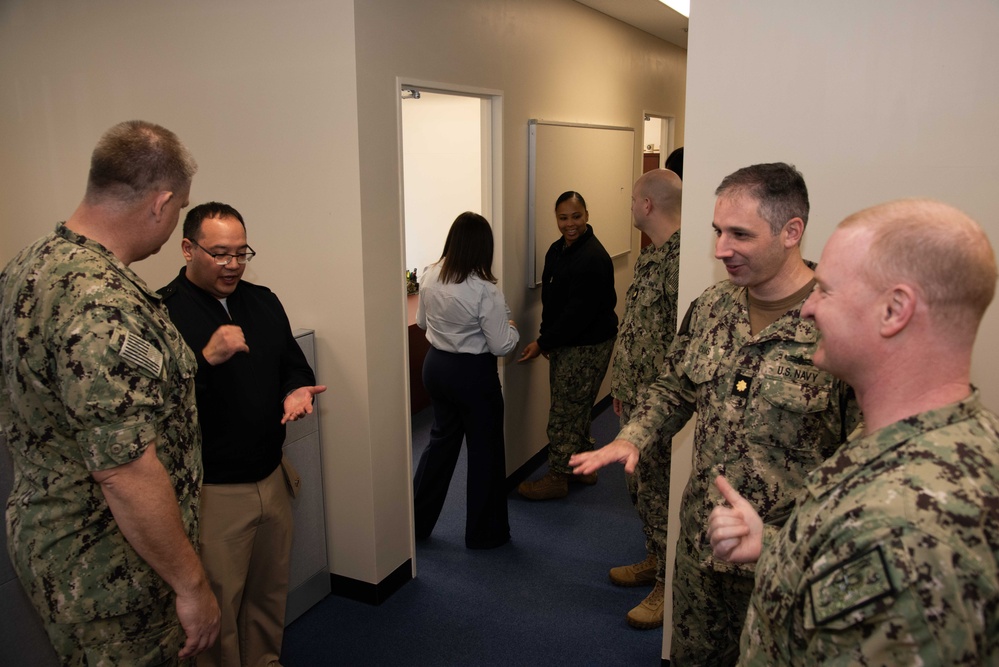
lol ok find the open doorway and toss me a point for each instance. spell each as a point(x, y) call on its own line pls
point(449, 141)
point(657, 144)
point(442, 176)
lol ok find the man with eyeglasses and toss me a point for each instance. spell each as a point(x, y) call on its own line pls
point(252, 379)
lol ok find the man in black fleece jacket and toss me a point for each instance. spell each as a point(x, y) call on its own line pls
point(252, 379)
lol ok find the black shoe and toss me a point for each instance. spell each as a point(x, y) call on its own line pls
point(487, 544)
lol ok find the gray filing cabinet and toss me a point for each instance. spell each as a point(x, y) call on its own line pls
point(310, 579)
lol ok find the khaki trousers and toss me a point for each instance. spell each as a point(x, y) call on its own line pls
point(246, 532)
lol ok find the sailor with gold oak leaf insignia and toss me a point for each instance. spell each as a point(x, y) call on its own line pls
point(766, 416)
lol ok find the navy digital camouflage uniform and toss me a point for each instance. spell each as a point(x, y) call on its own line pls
point(93, 373)
point(644, 336)
point(575, 373)
point(766, 417)
point(891, 554)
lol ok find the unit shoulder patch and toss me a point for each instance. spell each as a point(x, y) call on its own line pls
point(849, 585)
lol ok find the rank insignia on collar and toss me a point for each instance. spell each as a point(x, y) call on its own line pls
point(742, 385)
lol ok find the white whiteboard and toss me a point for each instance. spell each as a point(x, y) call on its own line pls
point(598, 162)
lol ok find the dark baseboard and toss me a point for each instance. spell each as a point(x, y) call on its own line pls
point(373, 594)
point(526, 470)
point(536, 461)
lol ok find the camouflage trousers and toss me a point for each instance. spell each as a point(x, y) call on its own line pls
point(149, 636)
point(575, 374)
point(649, 490)
point(709, 610)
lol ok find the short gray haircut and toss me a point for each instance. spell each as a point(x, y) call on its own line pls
point(135, 157)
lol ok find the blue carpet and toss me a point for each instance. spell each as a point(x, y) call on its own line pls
point(543, 599)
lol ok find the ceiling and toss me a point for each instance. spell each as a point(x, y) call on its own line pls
point(651, 16)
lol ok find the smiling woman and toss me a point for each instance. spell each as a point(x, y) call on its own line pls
point(572, 216)
point(578, 327)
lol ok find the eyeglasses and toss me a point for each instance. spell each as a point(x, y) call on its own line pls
point(222, 259)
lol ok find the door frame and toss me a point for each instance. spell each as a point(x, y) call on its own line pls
point(491, 117)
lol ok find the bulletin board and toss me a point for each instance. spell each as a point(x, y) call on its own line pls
point(598, 162)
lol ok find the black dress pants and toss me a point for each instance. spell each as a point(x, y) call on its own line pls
point(468, 405)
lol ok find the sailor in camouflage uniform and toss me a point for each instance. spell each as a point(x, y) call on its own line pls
point(766, 416)
point(97, 399)
point(644, 337)
point(890, 556)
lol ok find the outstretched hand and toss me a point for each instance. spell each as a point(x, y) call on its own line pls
point(736, 532)
point(299, 403)
point(619, 451)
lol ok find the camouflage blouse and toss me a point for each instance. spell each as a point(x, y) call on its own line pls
point(766, 416)
point(93, 373)
point(649, 321)
point(891, 554)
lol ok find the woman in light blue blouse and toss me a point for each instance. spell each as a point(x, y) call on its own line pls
point(468, 325)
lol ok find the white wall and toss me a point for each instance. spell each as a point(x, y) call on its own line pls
point(871, 100)
point(652, 140)
point(264, 95)
point(442, 170)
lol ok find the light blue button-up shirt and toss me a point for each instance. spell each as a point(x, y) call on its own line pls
point(470, 317)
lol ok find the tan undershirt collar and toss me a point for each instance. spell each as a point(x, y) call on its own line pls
point(764, 313)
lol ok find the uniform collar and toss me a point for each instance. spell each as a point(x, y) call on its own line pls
point(67, 234)
point(861, 451)
point(186, 282)
point(788, 327)
point(651, 253)
point(586, 236)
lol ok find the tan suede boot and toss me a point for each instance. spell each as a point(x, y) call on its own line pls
point(639, 574)
point(649, 613)
point(552, 485)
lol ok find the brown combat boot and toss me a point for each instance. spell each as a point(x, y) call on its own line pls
point(649, 613)
point(639, 574)
point(552, 485)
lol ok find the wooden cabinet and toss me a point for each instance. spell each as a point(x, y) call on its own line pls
point(418, 348)
point(650, 161)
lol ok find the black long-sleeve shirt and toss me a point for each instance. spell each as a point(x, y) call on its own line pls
point(240, 401)
point(577, 294)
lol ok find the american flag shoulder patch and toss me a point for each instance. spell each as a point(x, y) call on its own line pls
point(136, 350)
